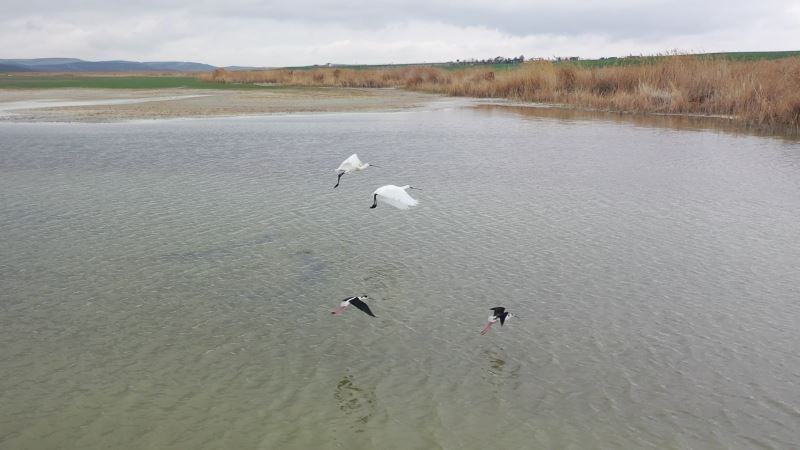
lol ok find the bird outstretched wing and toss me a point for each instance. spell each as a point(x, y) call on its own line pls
point(503, 318)
point(350, 163)
point(362, 306)
point(498, 310)
point(396, 196)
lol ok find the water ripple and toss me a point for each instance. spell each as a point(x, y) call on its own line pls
point(169, 284)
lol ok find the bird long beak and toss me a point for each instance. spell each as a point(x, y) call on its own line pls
point(338, 310)
point(373, 165)
point(486, 328)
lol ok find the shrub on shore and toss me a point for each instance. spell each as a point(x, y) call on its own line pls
point(763, 92)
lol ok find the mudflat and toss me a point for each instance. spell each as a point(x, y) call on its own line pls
point(111, 105)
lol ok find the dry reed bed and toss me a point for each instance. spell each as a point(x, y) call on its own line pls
point(765, 93)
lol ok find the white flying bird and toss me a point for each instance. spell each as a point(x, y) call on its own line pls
point(351, 164)
point(395, 196)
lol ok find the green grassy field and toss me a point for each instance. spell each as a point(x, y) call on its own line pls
point(751, 56)
point(614, 61)
point(123, 82)
point(446, 66)
point(588, 63)
point(143, 81)
point(636, 60)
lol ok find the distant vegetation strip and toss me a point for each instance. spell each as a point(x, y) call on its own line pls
point(639, 60)
point(113, 82)
point(632, 60)
point(763, 92)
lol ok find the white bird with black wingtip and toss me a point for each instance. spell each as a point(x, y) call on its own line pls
point(358, 302)
point(500, 314)
point(395, 196)
point(351, 164)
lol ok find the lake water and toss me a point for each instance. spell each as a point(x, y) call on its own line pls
point(168, 284)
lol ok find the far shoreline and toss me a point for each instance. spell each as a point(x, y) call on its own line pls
point(106, 105)
point(115, 105)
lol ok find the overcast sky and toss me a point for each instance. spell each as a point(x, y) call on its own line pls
point(300, 32)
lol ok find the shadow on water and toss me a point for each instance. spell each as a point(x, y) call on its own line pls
point(356, 403)
point(312, 268)
point(499, 369)
point(677, 122)
point(218, 252)
point(381, 277)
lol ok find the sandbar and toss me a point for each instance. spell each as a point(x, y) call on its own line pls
point(115, 105)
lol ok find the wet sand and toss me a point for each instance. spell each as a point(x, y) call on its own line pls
point(112, 105)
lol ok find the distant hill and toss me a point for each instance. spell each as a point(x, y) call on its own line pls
point(4, 67)
point(39, 61)
point(79, 65)
point(180, 66)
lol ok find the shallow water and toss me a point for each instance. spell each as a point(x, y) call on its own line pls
point(168, 284)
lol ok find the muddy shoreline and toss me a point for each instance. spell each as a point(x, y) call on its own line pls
point(114, 105)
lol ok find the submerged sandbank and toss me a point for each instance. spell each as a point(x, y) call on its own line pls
point(112, 105)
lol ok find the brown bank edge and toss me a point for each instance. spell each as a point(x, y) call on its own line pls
point(761, 93)
point(102, 105)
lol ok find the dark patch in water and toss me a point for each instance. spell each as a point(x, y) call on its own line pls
point(500, 369)
point(312, 268)
point(355, 402)
point(219, 252)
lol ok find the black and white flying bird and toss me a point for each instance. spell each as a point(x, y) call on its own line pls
point(500, 314)
point(355, 301)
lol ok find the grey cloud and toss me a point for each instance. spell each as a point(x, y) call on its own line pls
point(620, 19)
point(301, 31)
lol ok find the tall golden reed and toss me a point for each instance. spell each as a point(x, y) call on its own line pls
point(765, 92)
